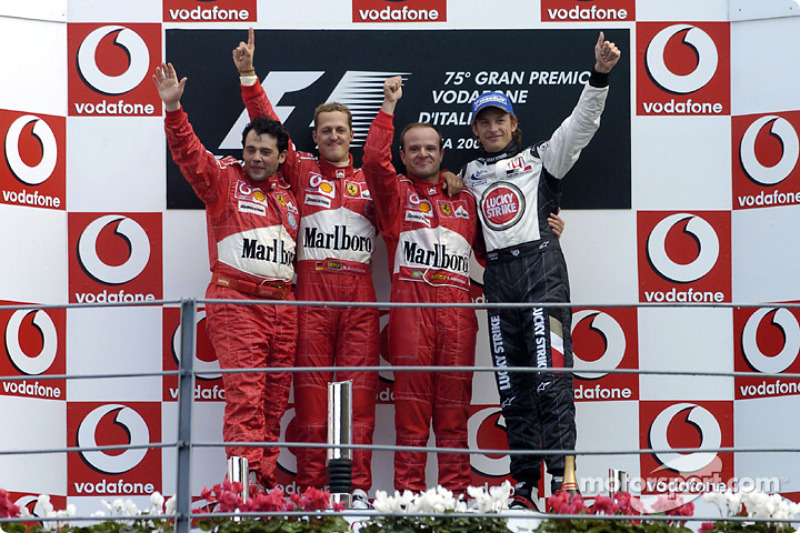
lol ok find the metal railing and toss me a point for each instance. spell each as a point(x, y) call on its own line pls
point(186, 374)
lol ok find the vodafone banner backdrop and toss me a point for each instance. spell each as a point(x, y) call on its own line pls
point(688, 194)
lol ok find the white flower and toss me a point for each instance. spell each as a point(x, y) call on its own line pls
point(156, 503)
point(170, 506)
point(719, 499)
point(494, 501)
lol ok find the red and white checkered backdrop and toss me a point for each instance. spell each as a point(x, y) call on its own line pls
point(690, 192)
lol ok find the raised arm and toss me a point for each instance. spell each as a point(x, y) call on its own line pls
point(561, 152)
point(256, 102)
point(198, 165)
point(377, 166)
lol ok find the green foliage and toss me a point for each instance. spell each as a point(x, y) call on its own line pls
point(414, 524)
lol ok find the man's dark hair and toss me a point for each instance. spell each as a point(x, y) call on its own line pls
point(265, 125)
point(414, 125)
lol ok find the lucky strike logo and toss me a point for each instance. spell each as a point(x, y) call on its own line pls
point(701, 426)
point(605, 339)
point(502, 205)
point(583, 10)
point(208, 386)
point(399, 10)
point(684, 257)
point(114, 258)
point(683, 68)
point(210, 10)
point(766, 340)
point(33, 342)
point(33, 174)
point(114, 472)
point(109, 67)
point(765, 151)
point(487, 430)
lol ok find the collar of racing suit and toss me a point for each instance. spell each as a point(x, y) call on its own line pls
point(511, 150)
point(332, 171)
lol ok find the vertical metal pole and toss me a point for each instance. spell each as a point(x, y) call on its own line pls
point(183, 493)
point(617, 481)
point(340, 422)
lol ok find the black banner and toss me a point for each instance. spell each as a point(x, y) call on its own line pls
point(543, 71)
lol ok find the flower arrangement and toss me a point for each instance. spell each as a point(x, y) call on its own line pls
point(223, 498)
point(622, 504)
point(405, 512)
point(751, 504)
point(408, 512)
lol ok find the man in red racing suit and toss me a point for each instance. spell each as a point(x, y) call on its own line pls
point(429, 237)
point(252, 220)
point(334, 250)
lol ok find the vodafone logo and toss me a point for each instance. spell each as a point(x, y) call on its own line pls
point(33, 364)
point(132, 423)
point(210, 369)
point(697, 418)
point(108, 73)
point(31, 174)
point(604, 341)
point(684, 257)
point(287, 460)
point(785, 134)
point(114, 258)
point(699, 42)
point(399, 10)
point(613, 339)
point(486, 429)
point(502, 205)
point(786, 322)
point(685, 69)
point(701, 231)
point(583, 10)
point(209, 10)
point(127, 229)
point(135, 48)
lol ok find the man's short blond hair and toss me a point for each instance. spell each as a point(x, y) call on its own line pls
point(329, 107)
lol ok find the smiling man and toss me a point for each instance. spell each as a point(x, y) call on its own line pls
point(429, 237)
point(517, 189)
point(252, 222)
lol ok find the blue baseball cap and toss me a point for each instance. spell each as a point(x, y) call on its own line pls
point(491, 99)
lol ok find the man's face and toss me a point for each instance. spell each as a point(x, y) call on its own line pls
point(421, 154)
point(261, 156)
point(494, 128)
point(333, 135)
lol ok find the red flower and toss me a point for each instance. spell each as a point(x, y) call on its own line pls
point(706, 527)
point(604, 505)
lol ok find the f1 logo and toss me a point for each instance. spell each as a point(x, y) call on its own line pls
point(685, 69)
point(766, 149)
point(136, 470)
point(34, 171)
point(109, 67)
point(115, 258)
point(684, 257)
point(767, 340)
point(607, 340)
